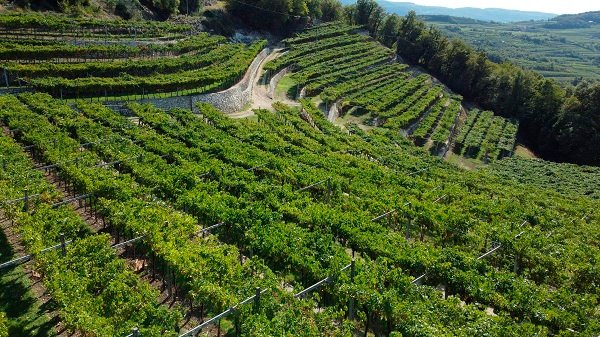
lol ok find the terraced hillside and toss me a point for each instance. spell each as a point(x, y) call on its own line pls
point(48, 26)
point(358, 77)
point(292, 196)
point(486, 136)
point(117, 69)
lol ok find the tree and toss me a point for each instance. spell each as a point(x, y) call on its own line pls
point(375, 20)
point(388, 34)
point(455, 68)
point(350, 14)
point(65, 4)
point(364, 8)
point(577, 127)
point(555, 123)
point(190, 6)
point(299, 8)
point(283, 15)
point(331, 10)
point(434, 45)
point(410, 31)
point(262, 14)
point(166, 7)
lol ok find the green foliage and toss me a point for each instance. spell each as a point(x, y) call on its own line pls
point(331, 61)
point(567, 54)
point(204, 63)
point(110, 299)
point(582, 20)
point(94, 290)
point(69, 5)
point(25, 316)
point(547, 114)
point(179, 172)
point(3, 325)
point(562, 177)
point(257, 13)
point(190, 6)
point(107, 61)
point(282, 15)
point(389, 29)
point(68, 25)
point(199, 268)
point(124, 9)
point(486, 136)
point(330, 10)
point(166, 6)
point(214, 173)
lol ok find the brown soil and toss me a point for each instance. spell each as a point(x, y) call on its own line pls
point(260, 97)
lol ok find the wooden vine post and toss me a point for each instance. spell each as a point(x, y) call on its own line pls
point(351, 300)
point(257, 301)
point(26, 200)
point(63, 245)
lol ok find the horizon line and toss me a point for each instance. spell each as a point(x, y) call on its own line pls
point(485, 8)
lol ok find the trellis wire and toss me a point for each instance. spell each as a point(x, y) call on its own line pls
point(318, 284)
point(221, 315)
point(479, 257)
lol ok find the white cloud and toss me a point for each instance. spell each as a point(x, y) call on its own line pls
point(558, 7)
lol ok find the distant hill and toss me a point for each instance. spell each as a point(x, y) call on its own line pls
point(487, 14)
point(593, 17)
point(570, 21)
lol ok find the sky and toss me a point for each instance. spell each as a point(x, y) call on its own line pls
point(548, 6)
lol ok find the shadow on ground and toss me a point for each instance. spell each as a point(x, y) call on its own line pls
point(26, 315)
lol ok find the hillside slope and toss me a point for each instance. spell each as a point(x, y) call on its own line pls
point(145, 210)
point(447, 251)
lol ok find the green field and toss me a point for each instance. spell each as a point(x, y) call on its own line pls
point(565, 54)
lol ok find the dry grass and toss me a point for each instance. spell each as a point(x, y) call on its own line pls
point(523, 152)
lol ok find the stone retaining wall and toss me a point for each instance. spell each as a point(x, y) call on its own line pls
point(275, 80)
point(229, 100)
point(333, 112)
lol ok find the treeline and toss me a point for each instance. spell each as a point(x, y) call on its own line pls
point(284, 14)
point(559, 124)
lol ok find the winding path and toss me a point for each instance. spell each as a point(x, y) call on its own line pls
point(260, 95)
